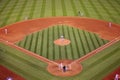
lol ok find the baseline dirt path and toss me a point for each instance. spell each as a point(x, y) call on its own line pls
point(17, 31)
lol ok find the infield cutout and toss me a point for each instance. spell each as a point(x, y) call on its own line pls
point(62, 41)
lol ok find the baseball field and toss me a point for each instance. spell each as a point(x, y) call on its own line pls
point(29, 29)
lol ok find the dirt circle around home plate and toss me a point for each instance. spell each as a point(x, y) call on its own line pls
point(62, 42)
point(73, 68)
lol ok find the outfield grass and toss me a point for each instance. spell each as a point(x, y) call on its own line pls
point(17, 10)
point(82, 42)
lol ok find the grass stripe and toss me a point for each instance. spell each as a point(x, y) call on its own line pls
point(25, 40)
point(74, 8)
point(106, 10)
point(9, 13)
point(22, 43)
point(36, 42)
point(47, 50)
point(96, 10)
point(105, 41)
point(58, 7)
point(48, 8)
point(21, 11)
point(72, 38)
point(89, 41)
point(44, 45)
point(5, 5)
point(39, 43)
point(118, 2)
point(71, 42)
point(32, 9)
point(33, 42)
point(43, 8)
point(76, 41)
point(31, 39)
point(81, 43)
point(41, 47)
point(28, 39)
point(85, 44)
point(51, 44)
point(84, 8)
point(97, 39)
point(63, 8)
point(112, 5)
point(53, 8)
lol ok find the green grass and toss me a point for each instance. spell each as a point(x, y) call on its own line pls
point(43, 8)
point(63, 8)
point(32, 9)
point(12, 11)
point(21, 10)
point(105, 10)
point(53, 8)
point(48, 49)
point(9, 13)
point(73, 8)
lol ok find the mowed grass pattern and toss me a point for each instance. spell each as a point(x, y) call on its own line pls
point(12, 11)
point(95, 68)
point(42, 42)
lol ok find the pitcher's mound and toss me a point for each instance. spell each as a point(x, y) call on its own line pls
point(62, 42)
point(73, 68)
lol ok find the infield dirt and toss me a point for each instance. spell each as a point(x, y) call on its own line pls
point(18, 31)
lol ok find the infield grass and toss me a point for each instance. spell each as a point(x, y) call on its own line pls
point(82, 42)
